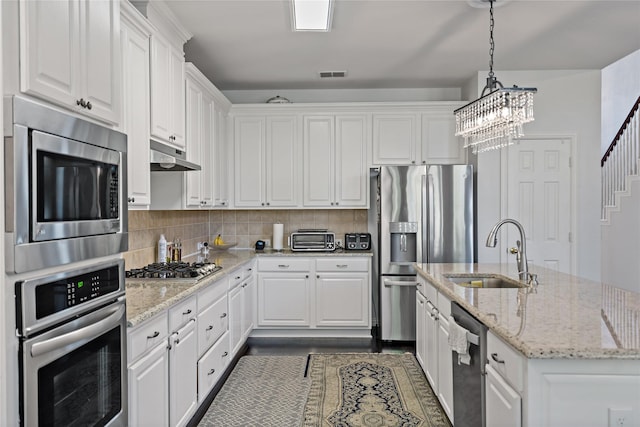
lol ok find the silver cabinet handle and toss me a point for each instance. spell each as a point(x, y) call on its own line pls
point(223, 315)
point(283, 265)
point(210, 327)
point(187, 312)
point(211, 372)
point(494, 356)
point(342, 265)
point(154, 335)
point(225, 354)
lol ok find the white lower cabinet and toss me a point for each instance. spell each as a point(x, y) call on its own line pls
point(183, 388)
point(503, 403)
point(211, 365)
point(323, 293)
point(432, 342)
point(149, 389)
point(241, 306)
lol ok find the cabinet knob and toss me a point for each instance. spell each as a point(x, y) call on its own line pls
point(413, 161)
point(211, 372)
point(268, 204)
point(223, 315)
point(317, 276)
point(262, 203)
point(210, 327)
point(225, 354)
point(89, 106)
point(187, 312)
point(424, 161)
point(331, 203)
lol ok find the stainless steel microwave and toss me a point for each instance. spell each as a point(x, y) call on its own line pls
point(66, 186)
point(313, 240)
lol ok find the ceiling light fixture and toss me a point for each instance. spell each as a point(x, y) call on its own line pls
point(493, 120)
point(311, 15)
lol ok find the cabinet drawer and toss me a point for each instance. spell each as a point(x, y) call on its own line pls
point(212, 365)
point(182, 312)
point(212, 323)
point(431, 293)
point(239, 275)
point(505, 360)
point(210, 294)
point(284, 264)
point(342, 264)
point(146, 336)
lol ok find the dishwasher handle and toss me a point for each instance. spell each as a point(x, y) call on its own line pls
point(405, 283)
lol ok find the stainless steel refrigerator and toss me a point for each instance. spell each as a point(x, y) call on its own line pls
point(423, 214)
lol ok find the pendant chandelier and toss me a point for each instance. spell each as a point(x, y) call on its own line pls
point(493, 120)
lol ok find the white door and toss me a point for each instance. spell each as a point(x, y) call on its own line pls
point(351, 168)
point(539, 197)
point(319, 166)
point(282, 163)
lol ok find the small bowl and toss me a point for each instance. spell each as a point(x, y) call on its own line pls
point(222, 247)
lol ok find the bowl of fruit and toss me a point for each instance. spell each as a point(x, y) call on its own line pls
point(220, 245)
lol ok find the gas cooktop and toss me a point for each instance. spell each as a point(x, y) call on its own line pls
point(174, 270)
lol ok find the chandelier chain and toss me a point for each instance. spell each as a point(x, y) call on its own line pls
point(492, 44)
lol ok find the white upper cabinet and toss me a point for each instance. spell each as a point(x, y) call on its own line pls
point(70, 55)
point(266, 161)
point(135, 34)
point(220, 162)
point(335, 161)
point(167, 73)
point(425, 136)
point(395, 139)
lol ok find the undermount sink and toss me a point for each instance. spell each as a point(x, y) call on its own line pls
point(484, 281)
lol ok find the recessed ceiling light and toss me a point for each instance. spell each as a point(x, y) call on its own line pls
point(311, 15)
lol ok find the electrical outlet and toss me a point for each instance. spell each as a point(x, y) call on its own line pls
point(267, 243)
point(620, 417)
point(339, 242)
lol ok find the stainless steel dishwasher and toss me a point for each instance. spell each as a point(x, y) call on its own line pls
point(469, 380)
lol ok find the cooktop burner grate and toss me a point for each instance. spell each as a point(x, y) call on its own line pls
point(174, 270)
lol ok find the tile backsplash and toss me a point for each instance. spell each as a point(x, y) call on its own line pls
point(243, 227)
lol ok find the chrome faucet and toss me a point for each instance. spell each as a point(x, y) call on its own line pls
point(521, 251)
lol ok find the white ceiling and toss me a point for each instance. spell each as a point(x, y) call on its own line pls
point(249, 45)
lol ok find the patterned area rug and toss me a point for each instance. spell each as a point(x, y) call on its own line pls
point(372, 390)
point(261, 391)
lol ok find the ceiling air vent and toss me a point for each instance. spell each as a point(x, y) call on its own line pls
point(332, 74)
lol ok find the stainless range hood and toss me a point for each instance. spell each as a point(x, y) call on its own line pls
point(169, 159)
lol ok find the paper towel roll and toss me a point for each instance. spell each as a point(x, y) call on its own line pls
point(278, 234)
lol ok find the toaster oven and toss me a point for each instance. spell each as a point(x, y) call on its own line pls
point(313, 240)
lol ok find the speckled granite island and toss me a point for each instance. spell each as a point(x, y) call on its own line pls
point(563, 317)
point(565, 353)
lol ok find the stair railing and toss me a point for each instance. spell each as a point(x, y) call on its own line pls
point(621, 158)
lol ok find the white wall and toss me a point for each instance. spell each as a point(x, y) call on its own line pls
point(620, 90)
point(345, 95)
point(567, 104)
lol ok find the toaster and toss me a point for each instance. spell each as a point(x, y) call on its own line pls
point(357, 241)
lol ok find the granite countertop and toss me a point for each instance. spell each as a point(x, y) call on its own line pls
point(564, 317)
point(148, 297)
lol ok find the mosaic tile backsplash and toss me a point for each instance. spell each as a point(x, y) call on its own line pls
point(243, 227)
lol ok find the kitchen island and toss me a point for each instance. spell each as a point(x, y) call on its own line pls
point(563, 353)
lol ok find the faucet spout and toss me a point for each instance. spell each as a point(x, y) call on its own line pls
point(521, 252)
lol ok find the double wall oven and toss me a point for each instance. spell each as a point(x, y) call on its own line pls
point(65, 226)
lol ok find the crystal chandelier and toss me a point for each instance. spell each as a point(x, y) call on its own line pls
point(493, 120)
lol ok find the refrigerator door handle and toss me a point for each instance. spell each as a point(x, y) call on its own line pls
point(403, 242)
point(424, 223)
point(389, 283)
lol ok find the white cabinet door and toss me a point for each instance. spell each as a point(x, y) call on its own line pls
point(206, 150)
point(249, 161)
point(167, 93)
point(395, 139)
point(431, 345)
point(236, 305)
point(319, 165)
point(503, 404)
point(149, 389)
point(445, 368)
point(342, 299)
point(248, 307)
point(351, 169)
point(70, 55)
point(135, 123)
point(439, 143)
point(421, 313)
point(183, 375)
point(284, 299)
point(211, 366)
point(282, 162)
point(194, 127)
point(220, 160)
point(100, 58)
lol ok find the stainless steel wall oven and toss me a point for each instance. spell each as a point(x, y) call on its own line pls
point(66, 186)
point(72, 354)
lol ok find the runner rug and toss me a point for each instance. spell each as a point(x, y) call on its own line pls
point(370, 390)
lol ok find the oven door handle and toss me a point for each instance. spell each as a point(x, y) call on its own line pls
point(114, 315)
